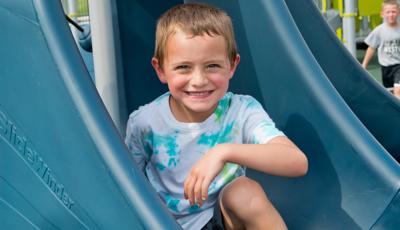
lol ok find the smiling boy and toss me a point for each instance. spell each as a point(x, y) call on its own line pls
point(195, 141)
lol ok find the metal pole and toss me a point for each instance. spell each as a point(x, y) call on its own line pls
point(106, 58)
point(349, 26)
point(325, 5)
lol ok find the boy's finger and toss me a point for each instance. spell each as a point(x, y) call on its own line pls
point(204, 189)
point(186, 187)
point(198, 192)
point(189, 190)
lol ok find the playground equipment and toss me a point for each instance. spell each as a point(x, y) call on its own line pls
point(374, 105)
point(63, 164)
point(351, 19)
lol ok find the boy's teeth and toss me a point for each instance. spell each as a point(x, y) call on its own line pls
point(198, 93)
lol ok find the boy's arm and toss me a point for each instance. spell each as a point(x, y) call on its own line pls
point(368, 55)
point(277, 157)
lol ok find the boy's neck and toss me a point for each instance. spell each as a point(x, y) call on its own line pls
point(182, 114)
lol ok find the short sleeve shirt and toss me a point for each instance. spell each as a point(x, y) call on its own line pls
point(166, 149)
point(387, 40)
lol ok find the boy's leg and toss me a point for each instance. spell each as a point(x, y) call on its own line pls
point(396, 90)
point(396, 85)
point(244, 205)
point(387, 76)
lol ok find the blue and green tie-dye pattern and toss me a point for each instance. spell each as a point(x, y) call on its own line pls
point(169, 149)
point(226, 136)
point(156, 143)
point(222, 107)
point(171, 202)
point(229, 171)
point(194, 208)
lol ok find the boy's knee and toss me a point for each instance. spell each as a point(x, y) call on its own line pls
point(244, 194)
point(246, 204)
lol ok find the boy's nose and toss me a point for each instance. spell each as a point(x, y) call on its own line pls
point(199, 79)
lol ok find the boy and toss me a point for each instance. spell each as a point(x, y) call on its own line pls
point(386, 37)
point(194, 142)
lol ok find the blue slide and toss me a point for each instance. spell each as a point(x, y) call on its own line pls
point(63, 165)
point(374, 106)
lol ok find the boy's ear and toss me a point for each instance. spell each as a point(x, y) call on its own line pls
point(234, 65)
point(160, 73)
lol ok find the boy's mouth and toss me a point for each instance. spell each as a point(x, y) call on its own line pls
point(199, 93)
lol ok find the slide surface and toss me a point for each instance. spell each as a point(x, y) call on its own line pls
point(64, 166)
point(62, 163)
point(374, 106)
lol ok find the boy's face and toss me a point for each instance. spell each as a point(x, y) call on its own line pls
point(390, 13)
point(197, 71)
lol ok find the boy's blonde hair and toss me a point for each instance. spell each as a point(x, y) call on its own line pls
point(390, 2)
point(195, 19)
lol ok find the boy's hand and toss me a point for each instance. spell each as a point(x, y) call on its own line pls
point(201, 175)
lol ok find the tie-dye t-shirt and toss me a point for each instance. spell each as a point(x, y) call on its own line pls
point(165, 149)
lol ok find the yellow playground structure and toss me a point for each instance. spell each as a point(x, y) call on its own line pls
point(352, 20)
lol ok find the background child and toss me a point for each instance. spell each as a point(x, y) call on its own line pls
point(194, 142)
point(386, 38)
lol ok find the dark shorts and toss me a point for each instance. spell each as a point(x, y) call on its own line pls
point(216, 222)
point(390, 75)
point(213, 224)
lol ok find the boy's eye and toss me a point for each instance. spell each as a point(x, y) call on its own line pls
point(213, 66)
point(182, 67)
